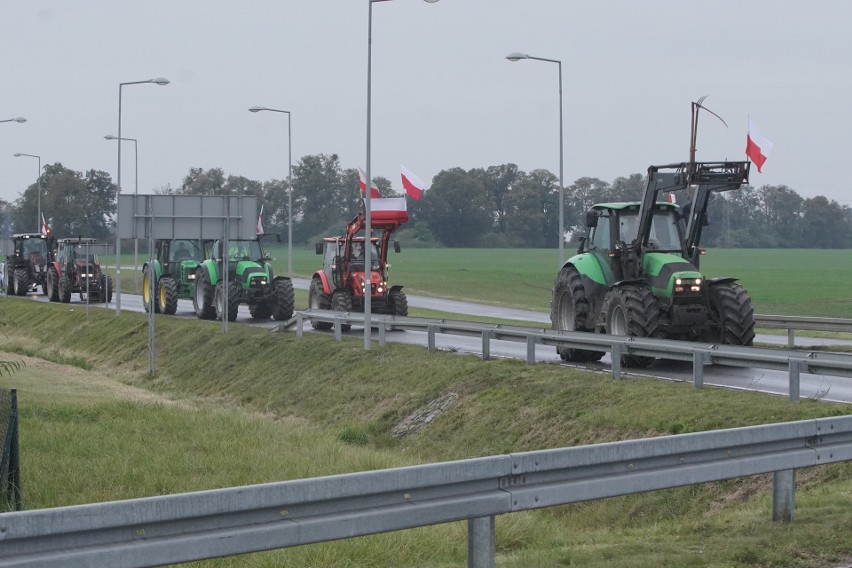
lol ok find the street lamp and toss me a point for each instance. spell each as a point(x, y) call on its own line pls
point(289, 184)
point(367, 218)
point(517, 56)
point(38, 213)
point(16, 119)
point(156, 81)
point(135, 192)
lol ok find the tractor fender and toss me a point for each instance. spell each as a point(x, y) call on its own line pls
point(720, 280)
point(325, 284)
point(280, 278)
point(396, 288)
point(212, 270)
point(157, 270)
point(54, 264)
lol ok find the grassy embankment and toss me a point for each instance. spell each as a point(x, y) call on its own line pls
point(252, 407)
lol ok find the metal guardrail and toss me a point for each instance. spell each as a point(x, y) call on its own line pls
point(209, 524)
point(794, 362)
point(800, 323)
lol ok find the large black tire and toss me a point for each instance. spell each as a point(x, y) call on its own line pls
point(397, 303)
point(233, 300)
point(202, 295)
point(284, 297)
point(21, 281)
point(64, 289)
point(319, 300)
point(167, 295)
point(51, 284)
point(341, 301)
point(733, 315)
point(261, 310)
point(632, 310)
point(147, 296)
point(106, 288)
point(10, 281)
point(569, 310)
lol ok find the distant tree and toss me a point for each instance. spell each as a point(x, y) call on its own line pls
point(532, 215)
point(455, 207)
point(200, 182)
point(825, 224)
point(628, 188)
point(498, 182)
point(580, 196)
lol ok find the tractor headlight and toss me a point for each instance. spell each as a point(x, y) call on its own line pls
point(190, 276)
point(381, 288)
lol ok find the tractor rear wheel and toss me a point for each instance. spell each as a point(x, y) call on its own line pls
point(233, 300)
point(202, 298)
point(284, 297)
point(341, 301)
point(64, 289)
point(260, 310)
point(106, 288)
point(51, 283)
point(319, 300)
point(733, 315)
point(633, 311)
point(147, 295)
point(167, 295)
point(397, 303)
point(22, 281)
point(569, 310)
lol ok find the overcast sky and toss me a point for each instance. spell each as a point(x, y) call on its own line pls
point(443, 93)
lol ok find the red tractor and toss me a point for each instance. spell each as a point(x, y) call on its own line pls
point(342, 283)
point(76, 269)
point(27, 266)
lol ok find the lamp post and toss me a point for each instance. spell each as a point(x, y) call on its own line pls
point(38, 181)
point(517, 56)
point(289, 184)
point(368, 229)
point(135, 192)
point(156, 81)
point(16, 119)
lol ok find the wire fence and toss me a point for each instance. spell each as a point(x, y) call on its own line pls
point(10, 467)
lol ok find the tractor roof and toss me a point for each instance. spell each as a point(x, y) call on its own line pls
point(620, 205)
point(30, 236)
point(342, 239)
point(78, 240)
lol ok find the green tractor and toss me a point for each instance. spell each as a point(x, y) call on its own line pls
point(636, 271)
point(174, 270)
point(249, 281)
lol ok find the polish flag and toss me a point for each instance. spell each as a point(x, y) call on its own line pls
point(413, 185)
point(45, 230)
point(259, 229)
point(362, 183)
point(757, 147)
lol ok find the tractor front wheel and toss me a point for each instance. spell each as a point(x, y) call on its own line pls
point(632, 310)
point(22, 281)
point(398, 303)
point(569, 310)
point(202, 298)
point(51, 283)
point(64, 289)
point(284, 297)
point(147, 295)
point(260, 310)
point(233, 300)
point(733, 315)
point(319, 300)
point(341, 301)
point(167, 295)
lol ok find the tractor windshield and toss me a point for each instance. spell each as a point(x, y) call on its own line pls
point(81, 253)
point(664, 229)
point(244, 250)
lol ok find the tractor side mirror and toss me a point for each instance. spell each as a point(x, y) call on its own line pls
point(396, 247)
point(318, 248)
point(267, 257)
point(591, 219)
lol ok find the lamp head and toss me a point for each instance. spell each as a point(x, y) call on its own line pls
point(19, 119)
point(517, 56)
point(111, 137)
point(256, 109)
point(430, 1)
point(160, 81)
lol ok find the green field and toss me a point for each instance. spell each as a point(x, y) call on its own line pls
point(786, 282)
point(253, 406)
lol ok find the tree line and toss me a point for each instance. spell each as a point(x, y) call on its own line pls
point(496, 206)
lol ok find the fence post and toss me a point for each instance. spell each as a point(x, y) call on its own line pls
point(698, 360)
point(480, 542)
point(531, 341)
point(784, 495)
point(430, 333)
point(615, 354)
point(338, 330)
point(795, 371)
point(486, 345)
point(791, 338)
point(382, 326)
point(300, 320)
point(15, 456)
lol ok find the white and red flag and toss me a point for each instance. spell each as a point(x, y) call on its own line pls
point(45, 230)
point(412, 184)
point(757, 147)
point(259, 229)
point(362, 183)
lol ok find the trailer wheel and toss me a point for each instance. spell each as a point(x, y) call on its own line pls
point(632, 310)
point(202, 298)
point(319, 300)
point(167, 295)
point(341, 301)
point(569, 310)
point(733, 315)
point(284, 297)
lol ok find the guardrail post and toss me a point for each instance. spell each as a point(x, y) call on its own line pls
point(430, 334)
point(299, 321)
point(531, 341)
point(382, 326)
point(784, 495)
point(338, 330)
point(480, 542)
point(486, 345)
point(615, 354)
point(795, 371)
point(791, 338)
point(698, 360)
